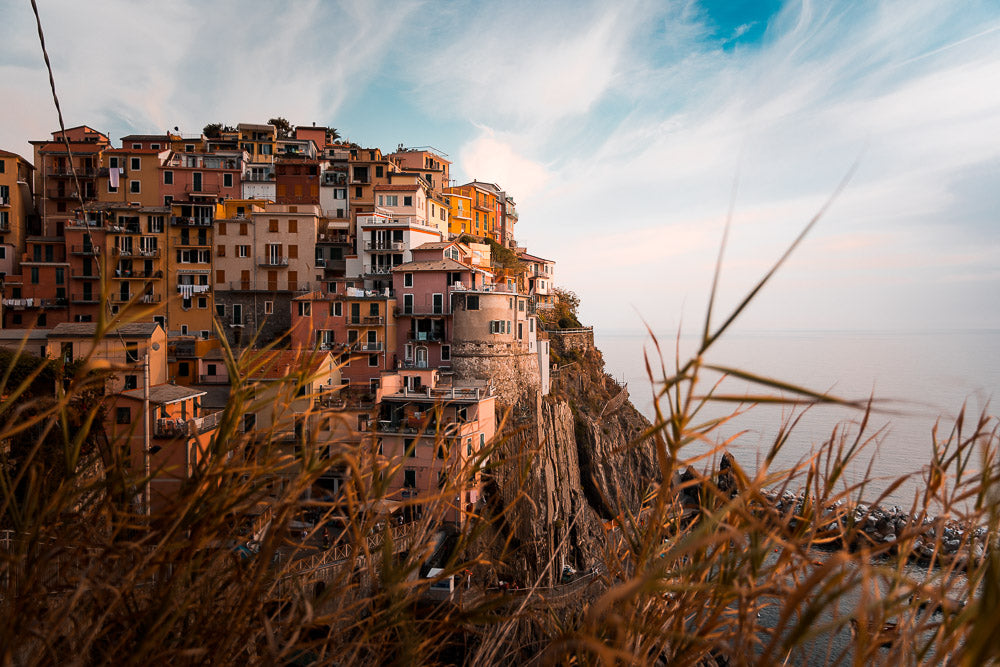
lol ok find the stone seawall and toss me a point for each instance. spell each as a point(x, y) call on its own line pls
point(571, 340)
point(513, 372)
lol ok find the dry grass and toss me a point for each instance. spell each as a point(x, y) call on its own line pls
point(712, 569)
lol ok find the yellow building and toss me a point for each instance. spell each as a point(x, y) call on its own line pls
point(190, 304)
point(258, 141)
point(138, 179)
point(15, 206)
point(459, 213)
point(484, 208)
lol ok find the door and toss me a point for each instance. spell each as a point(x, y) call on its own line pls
point(421, 357)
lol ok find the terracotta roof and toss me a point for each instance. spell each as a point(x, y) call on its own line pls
point(532, 258)
point(137, 151)
point(282, 363)
point(446, 264)
point(164, 394)
point(9, 154)
point(87, 330)
point(396, 188)
point(146, 137)
point(434, 245)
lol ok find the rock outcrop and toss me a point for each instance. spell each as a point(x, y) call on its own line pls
point(568, 464)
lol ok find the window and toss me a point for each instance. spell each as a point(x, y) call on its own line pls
point(184, 330)
point(123, 416)
point(131, 352)
point(202, 302)
point(154, 147)
point(168, 178)
point(373, 360)
point(237, 313)
point(407, 200)
point(272, 225)
point(438, 303)
point(407, 304)
point(268, 307)
point(131, 382)
point(220, 251)
point(196, 181)
point(135, 163)
point(468, 446)
point(137, 146)
point(243, 229)
point(242, 251)
point(357, 192)
point(227, 180)
point(305, 308)
point(472, 302)
point(189, 148)
point(407, 280)
point(391, 200)
point(293, 252)
point(409, 478)
point(293, 226)
point(408, 351)
point(60, 275)
point(249, 422)
point(155, 224)
point(34, 274)
point(337, 309)
point(446, 353)
point(379, 171)
point(220, 310)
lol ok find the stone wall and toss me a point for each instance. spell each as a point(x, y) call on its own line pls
point(571, 340)
point(512, 370)
point(272, 325)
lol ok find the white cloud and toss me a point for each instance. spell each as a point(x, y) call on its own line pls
point(488, 158)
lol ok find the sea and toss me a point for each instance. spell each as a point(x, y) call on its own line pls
point(920, 381)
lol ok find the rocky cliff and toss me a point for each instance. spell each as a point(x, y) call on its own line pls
point(568, 462)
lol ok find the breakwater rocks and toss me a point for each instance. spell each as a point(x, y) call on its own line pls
point(939, 540)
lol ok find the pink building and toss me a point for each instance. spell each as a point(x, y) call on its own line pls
point(423, 291)
point(428, 428)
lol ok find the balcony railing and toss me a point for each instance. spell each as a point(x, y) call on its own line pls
point(378, 270)
point(133, 275)
point(428, 336)
point(272, 261)
point(81, 172)
point(167, 427)
point(370, 347)
point(197, 242)
point(385, 245)
point(135, 252)
point(187, 221)
point(85, 298)
point(124, 229)
point(368, 320)
point(4, 201)
point(212, 379)
point(188, 290)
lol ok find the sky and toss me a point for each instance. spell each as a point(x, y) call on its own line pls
point(625, 131)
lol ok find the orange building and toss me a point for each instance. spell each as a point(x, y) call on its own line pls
point(58, 189)
point(16, 205)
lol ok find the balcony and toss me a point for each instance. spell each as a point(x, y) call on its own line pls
point(85, 298)
point(370, 347)
point(4, 201)
point(181, 428)
point(272, 261)
point(195, 243)
point(186, 221)
point(366, 321)
point(134, 275)
point(86, 276)
point(212, 379)
point(124, 229)
point(187, 290)
point(427, 336)
point(378, 270)
point(85, 250)
point(65, 172)
point(128, 251)
point(397, 246)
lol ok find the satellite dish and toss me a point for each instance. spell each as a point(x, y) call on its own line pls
point(156, 346)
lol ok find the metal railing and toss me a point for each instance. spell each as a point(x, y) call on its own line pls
point(272, 261)
point(188, 221)
point(365, 321)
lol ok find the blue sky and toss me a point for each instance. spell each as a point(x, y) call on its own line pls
point(620, 128)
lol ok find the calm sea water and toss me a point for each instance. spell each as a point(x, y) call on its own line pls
point(927, 376)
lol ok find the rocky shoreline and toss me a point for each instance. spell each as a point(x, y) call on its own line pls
point(940, 540)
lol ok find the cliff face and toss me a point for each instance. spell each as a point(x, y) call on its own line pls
point(569, 462)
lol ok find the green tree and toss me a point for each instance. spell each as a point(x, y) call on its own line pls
point(283, 126)
point(212, 130)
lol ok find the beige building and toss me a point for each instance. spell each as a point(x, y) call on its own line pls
point(125, 348)
point(262, 261)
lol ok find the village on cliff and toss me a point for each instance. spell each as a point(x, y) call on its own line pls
point(403, 299)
